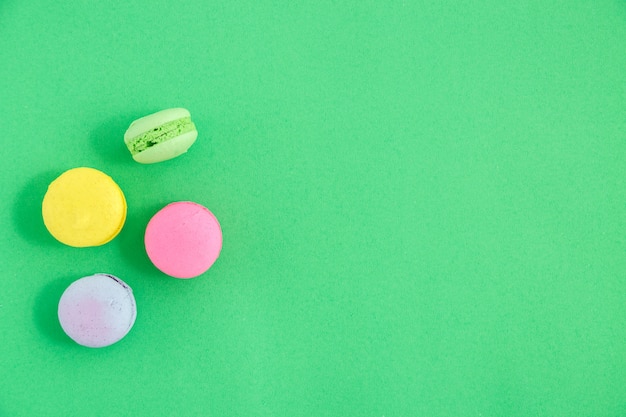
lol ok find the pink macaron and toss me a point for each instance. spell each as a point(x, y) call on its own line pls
point(183, 239)
point(97, 310)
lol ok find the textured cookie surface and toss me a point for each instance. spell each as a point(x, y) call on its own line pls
point(84, 207)
point(183, 239)
point(97, 310)
point(160, 136)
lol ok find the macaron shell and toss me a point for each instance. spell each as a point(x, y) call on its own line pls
point(183, 239)
point(167, 150)
point(151, 121)
point(84, 207)
point(97, 310)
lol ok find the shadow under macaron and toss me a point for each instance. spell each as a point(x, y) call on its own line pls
point(46, 307)
point(27, 209)
point(130, 241)
point(107, 139)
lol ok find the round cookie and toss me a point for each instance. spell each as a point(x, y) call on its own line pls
point(160, 136)
point(183, 239)
point(84, 207)
point(97, 310)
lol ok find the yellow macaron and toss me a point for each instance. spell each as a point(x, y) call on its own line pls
point(84, 207)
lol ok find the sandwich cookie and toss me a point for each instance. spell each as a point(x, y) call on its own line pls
point(160, 136)
point(97, 310)
point(84, 207)
point(183, 239)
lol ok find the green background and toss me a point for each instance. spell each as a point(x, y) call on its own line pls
point(423, 206)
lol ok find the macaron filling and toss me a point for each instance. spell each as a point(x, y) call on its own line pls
point(160, 134)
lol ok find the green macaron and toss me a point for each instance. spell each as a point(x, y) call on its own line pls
point(160, 136)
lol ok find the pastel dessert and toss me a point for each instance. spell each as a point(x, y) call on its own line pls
point(84, 207)
point(183, 239)
point(97, 310)
point(160, 136)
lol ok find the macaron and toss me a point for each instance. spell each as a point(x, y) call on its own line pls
point(183, 239)
point(97, 310)
point(84, 207)
point(160, 136)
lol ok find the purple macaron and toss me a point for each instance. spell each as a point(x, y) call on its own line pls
point(97, 310)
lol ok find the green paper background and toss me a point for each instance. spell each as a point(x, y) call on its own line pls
point(423, 206)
